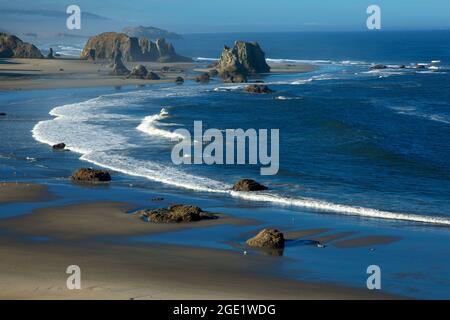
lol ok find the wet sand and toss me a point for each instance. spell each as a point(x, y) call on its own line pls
point(37, 248)
point(22, 192)
point(26, 74)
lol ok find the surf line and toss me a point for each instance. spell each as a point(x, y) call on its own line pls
point(212, 146)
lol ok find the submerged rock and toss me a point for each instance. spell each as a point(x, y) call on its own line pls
point(176, 214)
point(59, 146)
point(91, 175)
point(258, 88)
point(132, 48)
point(267, 238)
point(248, 185)
point(2, 114)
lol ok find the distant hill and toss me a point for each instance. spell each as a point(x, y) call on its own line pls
point(152, 33)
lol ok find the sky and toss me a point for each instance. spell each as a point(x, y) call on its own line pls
point(186, 16)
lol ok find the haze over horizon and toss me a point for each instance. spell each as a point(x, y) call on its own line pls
point(219, 16)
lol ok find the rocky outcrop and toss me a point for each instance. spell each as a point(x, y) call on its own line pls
point(248, 185)
point(244, 59)
point(378, 67)
point(213, 73)
point(90, 55)
point(267, 238)
point(258, 88)
point(138, 72)
point(175, 214)
point(91, 175)
point(119, 68)
point(132, 48)
point(204, 77)
point(59, 146)
point(179, 80)
point(12, 47)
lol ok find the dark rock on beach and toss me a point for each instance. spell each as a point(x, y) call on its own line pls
point(2, 114)
point(138, 72)
point(233, 77)
point(152, 76)
point(179, 80)
point(204, 77)
point(59, 146)
point(248, 185)
point(267, 238)
point(132, 48)
point(12, 47)
point(258, 88)
point(178, 213)
point(91, 175)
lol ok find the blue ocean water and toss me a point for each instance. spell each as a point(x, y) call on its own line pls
point(360, 147)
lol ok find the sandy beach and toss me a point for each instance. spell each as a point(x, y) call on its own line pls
point(89, 235)
point(29, 74)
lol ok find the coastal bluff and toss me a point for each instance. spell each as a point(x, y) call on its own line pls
point(12, 47)
point(132, 48)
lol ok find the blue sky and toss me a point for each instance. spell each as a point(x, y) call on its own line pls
point(255, 15)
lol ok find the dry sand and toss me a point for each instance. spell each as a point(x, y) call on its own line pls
point(93, 236)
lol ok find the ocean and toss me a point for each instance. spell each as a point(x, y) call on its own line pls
point(359, 148)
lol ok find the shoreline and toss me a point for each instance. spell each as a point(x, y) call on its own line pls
point(95, 236)
point(36, 74)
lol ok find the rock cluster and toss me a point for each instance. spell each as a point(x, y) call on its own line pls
point(175, 214)
point(91, 175)
point(204, 77)
point(258, 88)
point(141, 72)
point(119, 68)
point(132, 49)
point(244, 59)
point(267, 238)
point(12, 47)
point(248, 185)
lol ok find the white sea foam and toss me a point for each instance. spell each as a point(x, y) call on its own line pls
point(150, 123)
point(85, 129)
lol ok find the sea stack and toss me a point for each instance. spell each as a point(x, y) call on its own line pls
point(132, 49)
point(244, 59)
